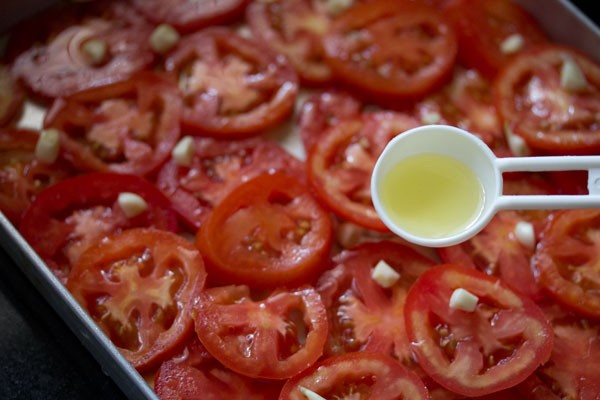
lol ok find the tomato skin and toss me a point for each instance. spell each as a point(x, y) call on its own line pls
point(273, 338)
point(400, 50)
point(533, 105)
point(370, 375)
point(566, 260)
point(269, 231)
point(232, 87)
point(128, 127)
point(122, 280)
point(217, 168)
point(67, 217)
point(483, 25)
point(448, 343)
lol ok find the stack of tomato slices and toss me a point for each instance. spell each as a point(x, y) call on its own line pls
point(200, 183)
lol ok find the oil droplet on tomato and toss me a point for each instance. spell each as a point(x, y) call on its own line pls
point(432, 195)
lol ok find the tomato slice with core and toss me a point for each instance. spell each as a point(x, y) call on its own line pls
point(274, 337)
point(492, 348)
point(138, 286)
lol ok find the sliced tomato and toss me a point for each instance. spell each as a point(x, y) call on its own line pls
point(322, 110)
point(269, 231)
point(63, 66)
point(294, 28)
point(138, 286)
point(573, 371)
point(483, 27)
point(361, 375)
point(492, 348)
point(188, 16)
point(232, 86)
point(364, 316)
point(534, 105)
point(217, 168)
point(68, 217)
point(567, 257)
point(22, 176)
point(195, 374)
point(341, 163)
point(127, 127)
point(11, 96)
point(274, 337)
point(400, 49)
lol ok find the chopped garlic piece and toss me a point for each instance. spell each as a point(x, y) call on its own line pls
point(571, 76)
point(48, 146)
point(164, 38)
point(431, 118)
point(525, 234)
point(132, 204)
point(95, 50)
point(183, 152)
point(336, 7)
point(516, 144)
point(384, 275)
point(462, 299)
point(512, 44)
point(309, 394)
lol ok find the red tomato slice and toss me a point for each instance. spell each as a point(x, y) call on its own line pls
point(534, 105)
point(341, 163)
point(274, 338)
point(11, 96)
point(138, 286)
point(269, 231)
point(195, 374)
point(127, 127)
point(567, 259)
point(361, 375)
point(232, 86)
point(63, 67)
point(400, 49)
point(364, 316)
point(322, 110)
point(484, 25)
point(188, 16)
point(68, 217)
point(495, 347)
point(217, 168)
point(294, 28)
point(22, 176)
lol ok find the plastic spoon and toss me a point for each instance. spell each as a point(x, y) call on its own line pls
point(446, 141)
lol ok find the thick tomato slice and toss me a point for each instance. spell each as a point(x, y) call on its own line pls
point(138, 286)
point(22, 176)
point(573, 371)
point(69, 216)
point(63, 66)
point(551, 118)
point(567, 260)
point(340, 164)
point(275, 337)
point(188, 16)
point(364, 316)
point(269, 231)
point(483, 27)
point(11, 96)
point(400, 49)
point(195, 374)
point(127, 127)
point(216, 169)
point(363, 375)
point(294, 28)
point(232, 86)
point(492, 348)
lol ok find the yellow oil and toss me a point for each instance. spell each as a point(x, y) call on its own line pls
point(432, 195)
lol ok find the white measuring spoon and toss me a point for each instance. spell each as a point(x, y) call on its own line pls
point(476, 155)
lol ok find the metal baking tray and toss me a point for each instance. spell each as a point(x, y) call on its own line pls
point(560, 18)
